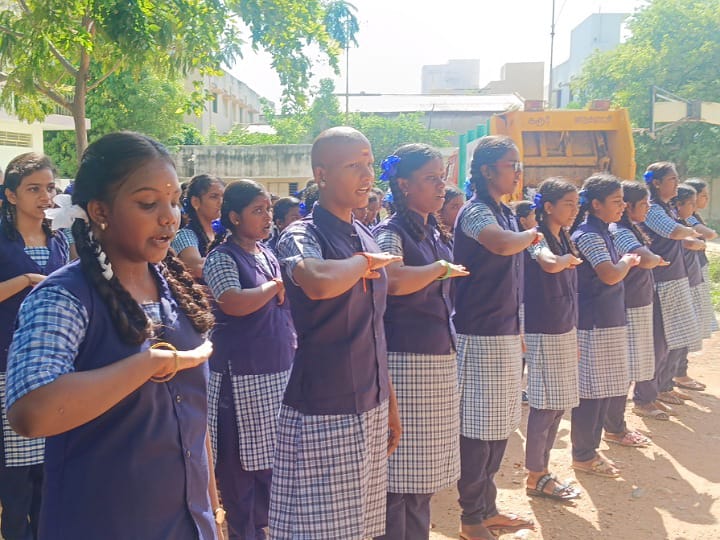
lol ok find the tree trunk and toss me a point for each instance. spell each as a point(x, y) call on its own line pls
point(78, 112)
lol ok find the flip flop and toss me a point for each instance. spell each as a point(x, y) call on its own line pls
point(682, 395)
point(561, 492)
point(655, 414)
point(632, 439)
point(692, 384)
point(514, 523)
point(475, 532)
point(669, 397)
point(599, 467)
point(665, 408)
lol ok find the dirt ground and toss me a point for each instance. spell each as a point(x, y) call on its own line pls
point(669, 490)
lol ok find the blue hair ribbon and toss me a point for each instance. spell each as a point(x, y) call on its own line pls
point(649, 176)
point(218, 227)
point(388, 198)
point(583, 197)
point(186, 205)
point(70, 188)
point(389, 167)
point(303, 209)
point(537, 200)
point(468, 190)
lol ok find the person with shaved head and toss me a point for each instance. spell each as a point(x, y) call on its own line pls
point(339, 419)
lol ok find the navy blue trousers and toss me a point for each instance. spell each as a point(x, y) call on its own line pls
point(542, 428)
point(479, 462)
point(408, 516)
point(587, 425)
point(245, 494)
point(615, 416)
point(20, 489)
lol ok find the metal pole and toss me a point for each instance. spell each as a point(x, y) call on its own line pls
point(552, 50)
point(347, 71)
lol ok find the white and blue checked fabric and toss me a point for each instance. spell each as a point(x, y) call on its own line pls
point(184, 239)
point(329, 476)
point(552, 363)
point(659, 221)
point(641, 352)
point(603, 362)
point(475, 218)
point(489, 375)
point(625, 241)
point(593, 249)
point(296, 243)
point(678, 316)
point(428, 458)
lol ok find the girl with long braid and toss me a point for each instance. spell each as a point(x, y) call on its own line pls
point(602, 332)
point(109, 360)
point(550, 333)
point(639, 300)
point(246, 382)
point(201, 207)
point(489, 354)
point(420, 340)
point(29, 251)
point(673, 335)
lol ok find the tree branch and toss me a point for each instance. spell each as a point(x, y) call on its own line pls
point(102, 79)
point(11, 32)
point(55, 96)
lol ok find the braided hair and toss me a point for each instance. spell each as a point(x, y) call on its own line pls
point(658, 171)
point(489, 151)
point(685, 192)
point(699, 186)
point(633, 193)
point(19, 168)
point(198, 186)
point(413, 157)
point(106, 164)
point(552, 190)
point(598, 187)
point(238, 195)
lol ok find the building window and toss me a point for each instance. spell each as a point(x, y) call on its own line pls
point(12, 138)
point(214, 103)
point(292, 188)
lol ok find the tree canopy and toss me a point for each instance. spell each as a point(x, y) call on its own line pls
point(674, 45)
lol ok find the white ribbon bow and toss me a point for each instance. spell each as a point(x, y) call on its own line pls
point(66, 213)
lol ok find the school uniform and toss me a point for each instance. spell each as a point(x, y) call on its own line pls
point(489, 354)
point(421, 359)
point(674, 300)
point(186, 237)
point(249, 369)
point(602, 337)
point(139, 470)
point(330, 467)
point(709, 322)
point(552, 354)
point(21, 458)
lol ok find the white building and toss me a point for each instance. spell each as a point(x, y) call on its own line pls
point(234, 102)
point(455, 76)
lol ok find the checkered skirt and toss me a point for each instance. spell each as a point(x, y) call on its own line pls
point(428, 458)
point(701, 319)
point(552, 362)
point(681, 328)
point(489, 375)
point(603, 362)
point(257, 400)
point(641, 353)
point(329, 476)
point(708, 307)
point(19, 451)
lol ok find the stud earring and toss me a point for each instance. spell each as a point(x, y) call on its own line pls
point(103, 226)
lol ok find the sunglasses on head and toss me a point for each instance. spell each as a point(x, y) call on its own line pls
point(517, 166)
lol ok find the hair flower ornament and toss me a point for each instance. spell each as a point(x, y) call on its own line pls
point(66, 212)
point(649, 176)
point(389, 167)
point(537, 200)
point(303, 209)
point(218, 227)
point(583, 197)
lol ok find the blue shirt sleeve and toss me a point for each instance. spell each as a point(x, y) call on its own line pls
point(51, 326)
point(296, 243)
point(389, 241)
point(221, 273)
point(593, 248)
point(184, 239)
point(475, 218)
point(625, 241)
point(659, 221)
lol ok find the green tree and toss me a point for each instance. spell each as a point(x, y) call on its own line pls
point(674, 45)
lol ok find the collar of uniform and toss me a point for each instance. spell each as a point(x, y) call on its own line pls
point(323, 218)
point(597, 222)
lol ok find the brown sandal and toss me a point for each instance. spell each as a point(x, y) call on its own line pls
point(598, 467)
point(669, 397)
point(513, 523)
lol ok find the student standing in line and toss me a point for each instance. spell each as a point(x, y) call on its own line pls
point(285, 211)
point(639, 298)
point(201, 206)
point(550, 333)
point(487, 303)
point(339, 418)
point(671, 331)
point(253, 345)
point(29, 251)
point(602, 331)
point(454, 201)
point(109, 362)
point(420, 339)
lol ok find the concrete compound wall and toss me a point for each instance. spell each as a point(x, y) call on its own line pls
point(275, 166)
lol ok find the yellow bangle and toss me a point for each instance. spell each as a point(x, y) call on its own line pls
point(448, 269)
point(169, 347)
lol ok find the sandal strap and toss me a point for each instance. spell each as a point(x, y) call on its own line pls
point(543, 481)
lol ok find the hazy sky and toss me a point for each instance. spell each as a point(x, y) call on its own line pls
point(398, 37)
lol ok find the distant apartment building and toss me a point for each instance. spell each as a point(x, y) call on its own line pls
point(523, 78)
point(599, 32)
point(233, 102)
point(453, 77)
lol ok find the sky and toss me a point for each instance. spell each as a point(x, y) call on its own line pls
point(398, 37)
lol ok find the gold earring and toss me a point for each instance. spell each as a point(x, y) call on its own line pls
point(103, 226)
